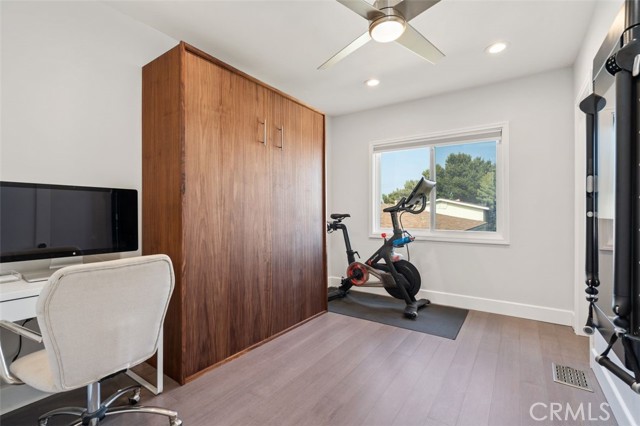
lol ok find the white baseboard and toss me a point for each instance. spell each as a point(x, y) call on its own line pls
point(501, 307)
point(624, 403)
point(334, 281)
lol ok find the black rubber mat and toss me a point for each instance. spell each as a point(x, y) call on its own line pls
point(442, 321)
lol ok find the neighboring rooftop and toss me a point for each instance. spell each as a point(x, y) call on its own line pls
point(422, 220)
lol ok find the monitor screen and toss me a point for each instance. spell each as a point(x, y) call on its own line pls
point(40, 221)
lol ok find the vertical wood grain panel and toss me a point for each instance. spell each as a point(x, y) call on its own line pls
point(298, 216)
point(162, 153)
point(320, 136)
point(318, 230)
point(283, 217)
point(246, 180)
point(308, 159)
point(207, 237)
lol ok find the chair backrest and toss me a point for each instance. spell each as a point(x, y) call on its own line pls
point(99, 318)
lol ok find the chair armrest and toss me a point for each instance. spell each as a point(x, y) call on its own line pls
point(5, 374)
point(22, 331)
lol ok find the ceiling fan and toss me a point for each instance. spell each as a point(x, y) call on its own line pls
point(389, 22)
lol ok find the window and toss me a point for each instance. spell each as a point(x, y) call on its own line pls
point(469, 202)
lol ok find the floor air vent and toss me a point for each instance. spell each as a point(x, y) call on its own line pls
point(571, 377)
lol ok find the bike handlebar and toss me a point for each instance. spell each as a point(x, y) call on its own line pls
point(418, 197)
point(403, 207)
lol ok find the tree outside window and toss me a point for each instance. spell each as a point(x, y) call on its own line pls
point(465, 198)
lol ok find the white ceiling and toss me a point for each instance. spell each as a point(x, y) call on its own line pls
point(283, 42)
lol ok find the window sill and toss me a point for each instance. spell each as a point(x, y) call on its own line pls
point(492, 239)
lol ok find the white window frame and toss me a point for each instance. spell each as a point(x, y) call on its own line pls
point(432, 140)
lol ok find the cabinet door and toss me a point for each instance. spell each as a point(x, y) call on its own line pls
point(247, 209)
point(298, 284)
point(283, 227)
point(227, 214)
point(207, 234)
point(307, 127)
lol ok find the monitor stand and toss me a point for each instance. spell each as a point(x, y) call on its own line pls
point(44, 274)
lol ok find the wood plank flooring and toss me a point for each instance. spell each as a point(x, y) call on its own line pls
point(338, 370)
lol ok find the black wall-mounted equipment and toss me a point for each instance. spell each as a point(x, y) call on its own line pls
point(617, 73)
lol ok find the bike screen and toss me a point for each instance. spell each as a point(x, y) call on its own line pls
point(422, 189)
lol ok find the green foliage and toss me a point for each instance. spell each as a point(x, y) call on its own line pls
point(460, 178)
point(487, 197)
point(463, 178)
point(487, 189)
point(394, 197)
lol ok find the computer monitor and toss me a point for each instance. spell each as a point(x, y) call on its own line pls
point(42, 221)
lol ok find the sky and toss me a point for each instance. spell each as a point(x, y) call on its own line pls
point(397, 167)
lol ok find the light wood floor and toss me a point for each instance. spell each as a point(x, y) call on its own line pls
point(338, 370)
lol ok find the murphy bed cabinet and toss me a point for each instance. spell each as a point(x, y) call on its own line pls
point(233, 192)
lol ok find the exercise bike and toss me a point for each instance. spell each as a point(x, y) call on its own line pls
point(398, 277)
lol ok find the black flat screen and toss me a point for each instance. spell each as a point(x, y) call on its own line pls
point(40, 221)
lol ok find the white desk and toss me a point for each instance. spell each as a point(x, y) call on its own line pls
point(18, 302)
point(18, 299)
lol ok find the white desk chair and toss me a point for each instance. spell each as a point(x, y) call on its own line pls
point(96, 320)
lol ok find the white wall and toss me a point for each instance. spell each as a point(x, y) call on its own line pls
point(70, 105)
point(603, 16)
point(71, 93)
point(533, 276)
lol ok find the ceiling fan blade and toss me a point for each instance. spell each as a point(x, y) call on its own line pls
point(352, 47)
point(362, 8)
point(418, 44)
point(409, 9)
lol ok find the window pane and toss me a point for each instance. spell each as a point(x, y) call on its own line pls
point(400, 171)
point(466, 187)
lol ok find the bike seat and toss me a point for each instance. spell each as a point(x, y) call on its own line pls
point(338, 216)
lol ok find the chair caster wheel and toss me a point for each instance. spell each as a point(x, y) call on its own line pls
point(43, 422)
point(135, 398)
point(411, 315)
point(176, 422)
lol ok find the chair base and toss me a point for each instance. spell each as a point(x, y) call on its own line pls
point(97, 411)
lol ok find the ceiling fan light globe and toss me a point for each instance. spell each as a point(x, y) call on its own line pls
point(387, 29)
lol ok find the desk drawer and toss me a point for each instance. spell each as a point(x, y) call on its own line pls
point(18, 309)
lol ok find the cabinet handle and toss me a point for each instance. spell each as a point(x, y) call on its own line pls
point(264, 135)
point(281, 129)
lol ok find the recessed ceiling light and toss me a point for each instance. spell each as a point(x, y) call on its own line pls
point(372, 82)
point(496, 48)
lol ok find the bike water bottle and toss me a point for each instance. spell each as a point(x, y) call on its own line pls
point(402, 241)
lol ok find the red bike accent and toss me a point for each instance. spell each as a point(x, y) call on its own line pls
point(357, 273)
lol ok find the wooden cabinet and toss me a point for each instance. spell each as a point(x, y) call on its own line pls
point(297, 199)
point(233, 192)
